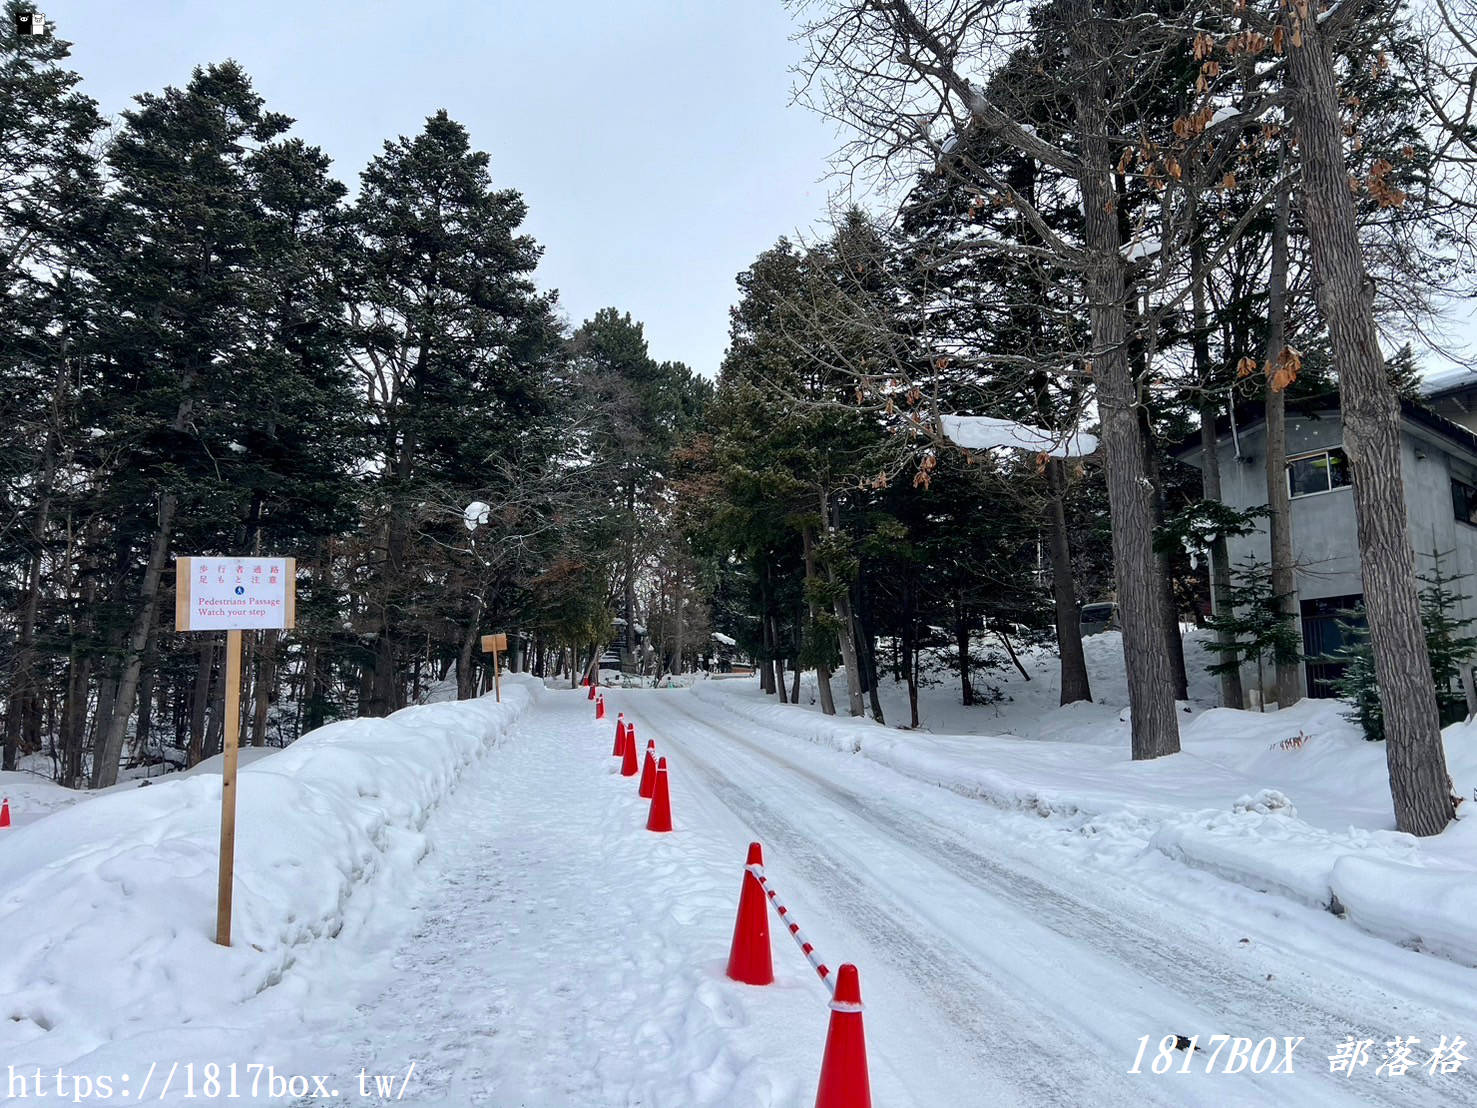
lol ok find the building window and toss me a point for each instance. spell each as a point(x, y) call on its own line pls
point(1464, 502)
point(1321, 472)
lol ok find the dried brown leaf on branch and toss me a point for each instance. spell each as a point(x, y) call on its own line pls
point(1283, 370)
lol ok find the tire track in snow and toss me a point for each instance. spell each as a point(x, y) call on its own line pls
point(1224, 995)
point(1026, 1047)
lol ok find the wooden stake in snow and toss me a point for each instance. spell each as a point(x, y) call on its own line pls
point(491, 644)
point(232, 595)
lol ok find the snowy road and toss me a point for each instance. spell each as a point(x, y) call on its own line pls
point(552, 952)
point(1035, 981)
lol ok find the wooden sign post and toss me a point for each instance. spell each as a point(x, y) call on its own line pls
point(232, 595)
point(491, 644)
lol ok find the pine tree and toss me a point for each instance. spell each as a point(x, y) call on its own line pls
point(1255, 628)
point(456, 347)
point(1447, 646)
point(49, 191)
point(176, 265)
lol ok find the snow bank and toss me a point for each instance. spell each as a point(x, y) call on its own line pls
point(32, 796)
point(1309, 819)
point(108, 907)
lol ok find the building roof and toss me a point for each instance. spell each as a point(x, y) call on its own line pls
point(1253, 414)
point(1447, 381)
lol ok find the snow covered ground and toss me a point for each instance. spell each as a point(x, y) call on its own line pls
point(468, 889)
point(1292, 802)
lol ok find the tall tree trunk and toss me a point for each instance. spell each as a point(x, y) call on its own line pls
point(679, 646)
point(215, 730)
point(1155, 725)
point(630, 568)
point(1279, 504)
point(110, 746)
point(1174, 639)
point(779, 659)
point(822, 671)
point(74, 718)
point(146, 698)
point(266, 674)
point(867, 647)
point(24, 685)
point(910, 645)
point(846, 629)
point(200, 701)
point(466, 667)
point(1419, 784)
point(1210, 466)
point(766, 641)
point(961, 643)
point(1075, 685)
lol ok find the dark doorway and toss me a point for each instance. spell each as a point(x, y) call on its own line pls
point(1323, 639)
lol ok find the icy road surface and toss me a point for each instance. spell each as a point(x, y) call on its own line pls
point(555, 953)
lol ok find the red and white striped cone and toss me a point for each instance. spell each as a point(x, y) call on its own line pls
point(749, 957)
point(592, 691)
point(659, 818)
point(629, 765)
point(844, 1082)
point(620, 734)
point(5, 812)
point(648, 771)
point(600, 706)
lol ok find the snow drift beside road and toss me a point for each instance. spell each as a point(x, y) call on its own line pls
point(1312, 822)
point(108, 907)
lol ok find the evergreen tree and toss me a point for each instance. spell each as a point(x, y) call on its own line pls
point(1447, 646)
point(1255, 629)
point(456, 348)
point(49, 191)
point(176, 265)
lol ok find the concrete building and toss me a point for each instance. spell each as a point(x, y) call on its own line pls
point(1439, 468)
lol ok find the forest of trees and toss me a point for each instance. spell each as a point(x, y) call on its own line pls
point(1122, 218)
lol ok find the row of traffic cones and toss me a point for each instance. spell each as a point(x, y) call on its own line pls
point(653, 785)
point(844, 1082)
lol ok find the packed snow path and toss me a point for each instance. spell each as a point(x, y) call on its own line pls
point(561, 955)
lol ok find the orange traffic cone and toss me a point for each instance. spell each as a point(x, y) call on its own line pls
point(600, 706)
point(748, 955)
point(5, 812)
point(648, 770)
point(592, 692)
point(844, 1082)
point(660, 816)
point(629, 765)
point(620, 734)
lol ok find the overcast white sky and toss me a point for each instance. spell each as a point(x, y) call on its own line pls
point(653, 139)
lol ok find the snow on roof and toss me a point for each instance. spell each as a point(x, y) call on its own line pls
point(719, 636)
point(989, 433)
point(1448, 380)
point(1141, 248)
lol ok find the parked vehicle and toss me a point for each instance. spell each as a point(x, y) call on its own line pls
point(1099, 617)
